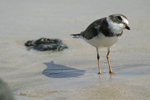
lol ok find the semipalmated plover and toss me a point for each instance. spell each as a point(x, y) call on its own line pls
point(104, 32)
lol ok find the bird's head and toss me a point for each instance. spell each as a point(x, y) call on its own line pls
point(117, 22)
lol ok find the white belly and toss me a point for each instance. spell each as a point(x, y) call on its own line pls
point(102, 41)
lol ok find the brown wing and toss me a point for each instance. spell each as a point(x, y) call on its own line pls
point(93, 29)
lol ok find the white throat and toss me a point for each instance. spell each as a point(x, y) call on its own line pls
point(114, 27)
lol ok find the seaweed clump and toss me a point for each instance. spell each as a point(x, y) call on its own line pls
point(46, 44)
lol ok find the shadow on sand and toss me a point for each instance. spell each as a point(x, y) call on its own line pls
point(59, 71)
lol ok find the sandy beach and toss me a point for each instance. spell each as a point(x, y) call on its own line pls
point(72, 74)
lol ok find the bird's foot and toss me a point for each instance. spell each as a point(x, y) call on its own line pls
point(110, 72)
point(99, 73)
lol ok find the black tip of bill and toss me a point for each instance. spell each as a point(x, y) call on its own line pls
point(127, 27)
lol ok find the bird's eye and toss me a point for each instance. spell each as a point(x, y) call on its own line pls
point(118, 17)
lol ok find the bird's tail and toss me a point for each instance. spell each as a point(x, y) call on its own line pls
point(75, 35)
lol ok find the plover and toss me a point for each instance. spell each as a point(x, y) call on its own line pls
point(104, 32)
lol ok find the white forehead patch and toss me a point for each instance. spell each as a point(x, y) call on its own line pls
point(125, 20)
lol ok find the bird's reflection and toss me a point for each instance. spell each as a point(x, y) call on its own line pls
point(105, 78)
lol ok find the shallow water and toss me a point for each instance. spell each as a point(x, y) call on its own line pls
point(72, 73)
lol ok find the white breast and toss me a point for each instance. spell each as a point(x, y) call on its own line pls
point(102, 41)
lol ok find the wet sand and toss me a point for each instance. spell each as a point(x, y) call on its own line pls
point(72, 73)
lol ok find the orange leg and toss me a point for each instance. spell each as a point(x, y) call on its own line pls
point(110, 71)
point(98, 57)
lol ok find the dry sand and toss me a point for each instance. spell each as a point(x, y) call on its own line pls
point(72, 73)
